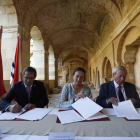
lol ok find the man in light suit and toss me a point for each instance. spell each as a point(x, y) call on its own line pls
point(118, 90)
point(29, 93)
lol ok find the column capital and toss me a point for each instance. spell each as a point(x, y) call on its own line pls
point(46, 53)
point(46, 45)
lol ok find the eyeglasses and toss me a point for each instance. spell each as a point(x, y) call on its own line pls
point(28, 78)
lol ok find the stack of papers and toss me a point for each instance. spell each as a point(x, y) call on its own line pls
point(126, 109)
point(87, 109)
point(9, 116)
point(34, 114)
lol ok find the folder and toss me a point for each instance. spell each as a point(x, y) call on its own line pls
point(132, 119)
point(35, 114)
point(100, 119)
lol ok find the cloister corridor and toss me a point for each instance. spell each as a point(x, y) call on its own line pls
point(56, 36)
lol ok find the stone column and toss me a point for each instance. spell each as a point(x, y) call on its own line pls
point(64, 74)
point(25, 48)
point(71, 73)
point(56, 72)
point(46, 70)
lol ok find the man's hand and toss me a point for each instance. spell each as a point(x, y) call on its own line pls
point(29, 106)
point(113, 100)
point(80, 95)
point(132, 100)
point(15, 108)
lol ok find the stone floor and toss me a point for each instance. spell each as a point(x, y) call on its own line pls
point(54, 98)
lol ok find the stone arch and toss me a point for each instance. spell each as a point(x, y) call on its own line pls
point(106, 70)
point(38, 53)
point(8, 14)
point(119, 49)
point(130, 44)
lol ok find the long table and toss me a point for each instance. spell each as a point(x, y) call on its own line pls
point(116, 127)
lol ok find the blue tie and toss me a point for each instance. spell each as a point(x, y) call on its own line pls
point(121, 98)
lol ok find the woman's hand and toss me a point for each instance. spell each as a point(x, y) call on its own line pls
point(80, 95)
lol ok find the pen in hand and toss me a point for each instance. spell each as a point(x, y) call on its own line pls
point(15, 108)
point(29, 106)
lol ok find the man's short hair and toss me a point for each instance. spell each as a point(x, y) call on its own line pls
point(118, 68)
point(30, 69)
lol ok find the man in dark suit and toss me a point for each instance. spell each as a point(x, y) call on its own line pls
point(29, 93)
point(118, 90)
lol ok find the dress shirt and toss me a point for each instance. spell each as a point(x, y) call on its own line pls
point(116, 89)
point(122, 90)
point(27, 91)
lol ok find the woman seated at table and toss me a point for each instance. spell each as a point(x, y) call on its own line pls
point(74, 91)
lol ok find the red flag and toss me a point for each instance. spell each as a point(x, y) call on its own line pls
point(16, 66)
point(2, 88)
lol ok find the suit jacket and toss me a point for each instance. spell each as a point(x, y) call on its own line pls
point(107, 90)
point(38, 95)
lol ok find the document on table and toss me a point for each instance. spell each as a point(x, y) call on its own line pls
point(69, 116)
point(86, 107)
point(35, 114)
point(98, 115)
point(125, 109)
point(10, 115)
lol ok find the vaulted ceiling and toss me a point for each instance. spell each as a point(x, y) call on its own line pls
point(73, 27)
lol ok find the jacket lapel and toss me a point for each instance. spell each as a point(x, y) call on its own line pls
point(127, 90)
point(32, 90)
point(24, 92)
point(112, 89)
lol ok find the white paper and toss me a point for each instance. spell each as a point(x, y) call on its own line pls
point(98, 115)
point(133, 118)
point(10, 115)
point(125, 109)
point(86, 107)
point(35, 114)
point(69, 116)
point(108, 111)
